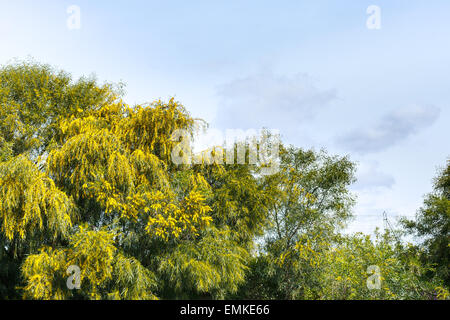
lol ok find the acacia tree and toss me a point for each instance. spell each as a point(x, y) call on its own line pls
point(33, 99)
point(88, 181)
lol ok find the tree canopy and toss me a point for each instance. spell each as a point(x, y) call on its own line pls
point(87, 183)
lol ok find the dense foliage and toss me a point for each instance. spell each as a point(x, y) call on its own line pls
point(432, 227)
point(87, 183)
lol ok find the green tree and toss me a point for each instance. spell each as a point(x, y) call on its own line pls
point(358, 267)
point(309, 202)
point(432, 227)
point(305, 255)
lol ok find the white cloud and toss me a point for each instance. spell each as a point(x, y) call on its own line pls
point(390, 130)
point(267, 100)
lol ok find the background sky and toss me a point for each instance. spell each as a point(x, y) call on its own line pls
point(311, 69)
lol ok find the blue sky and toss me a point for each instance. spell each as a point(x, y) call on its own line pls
point(311, 69)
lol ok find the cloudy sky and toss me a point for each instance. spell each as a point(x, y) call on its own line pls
point(311, 69)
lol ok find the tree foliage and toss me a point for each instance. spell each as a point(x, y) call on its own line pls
point(432, 227)
point(87, 183)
